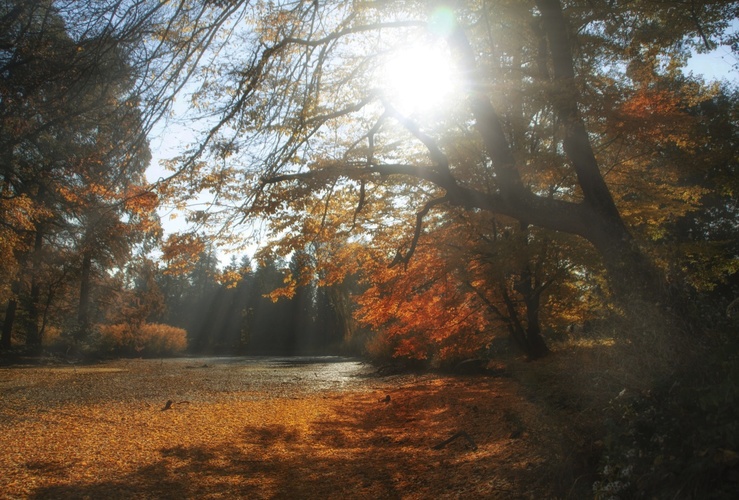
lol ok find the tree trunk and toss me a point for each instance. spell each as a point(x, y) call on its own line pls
point(632, 276)
point(10, 310)
point(528, 338)
point(33, 334)
point(537, 348)
point(596, 218)
point(83, 312)
point(630, 272)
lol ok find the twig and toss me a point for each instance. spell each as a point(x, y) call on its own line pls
point(169, 404)
point(457, 435)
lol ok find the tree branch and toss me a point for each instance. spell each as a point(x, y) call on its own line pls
point(360, 204)
point(435, 153)
point(694, 17)
point(576, 141)
point(495, 309)
point(404, 259)
point(354, 30)
point(558, 215)
point(487, 120)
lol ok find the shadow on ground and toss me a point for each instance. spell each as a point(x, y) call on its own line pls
point(370, 445)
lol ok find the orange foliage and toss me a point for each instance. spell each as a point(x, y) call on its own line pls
point(425, 311)
point(466, 285)
point(657, 116)
point(16, 217)
point(180, 252)
point(151, 339)
point(142, 202)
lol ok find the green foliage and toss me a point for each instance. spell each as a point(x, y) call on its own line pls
point(245, 311)
point(680, 439)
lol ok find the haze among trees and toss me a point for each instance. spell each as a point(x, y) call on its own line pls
point(424, 182)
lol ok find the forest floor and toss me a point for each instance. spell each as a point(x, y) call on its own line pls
point(239, 428)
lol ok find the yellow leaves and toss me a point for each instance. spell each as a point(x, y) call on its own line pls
point(18, 212)
point(701, 265)
point(142, 201)
point(69, 195)
point(229, 278)
point(101, 433)
point(287, 291)
point(151, 339)
point(273, 21)
point(181, 251)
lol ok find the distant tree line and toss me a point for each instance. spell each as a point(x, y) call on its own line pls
point(239, 313)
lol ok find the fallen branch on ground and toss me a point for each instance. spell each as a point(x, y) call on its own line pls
point(457, 435)
point(169, 404)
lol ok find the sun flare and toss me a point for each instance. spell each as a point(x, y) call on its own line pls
point(419, 79)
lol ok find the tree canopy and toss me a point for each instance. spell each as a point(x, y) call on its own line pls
point(569, 117)
point(556, 104)
point(513, 148)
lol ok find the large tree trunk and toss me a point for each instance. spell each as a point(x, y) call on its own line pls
point(33, 334)
point(10, 310)
point(631, 274)
point(595, 218)
point(83, 312)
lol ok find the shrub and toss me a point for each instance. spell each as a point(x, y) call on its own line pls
point(680, 439)
point(148, 339)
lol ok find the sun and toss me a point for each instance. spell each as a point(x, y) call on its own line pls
point(419, 79)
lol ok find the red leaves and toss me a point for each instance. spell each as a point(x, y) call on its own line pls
point(656, 115)
point(425, 311)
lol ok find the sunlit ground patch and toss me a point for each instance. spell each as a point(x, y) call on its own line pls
point(85, 369)
point(318, 444)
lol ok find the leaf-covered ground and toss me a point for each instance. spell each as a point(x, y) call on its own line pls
point(277, 430)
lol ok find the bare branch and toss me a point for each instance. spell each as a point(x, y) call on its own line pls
point(354, 30)
point(404, 259)
point(437, 156)
point(360, 204)
point(495, 309)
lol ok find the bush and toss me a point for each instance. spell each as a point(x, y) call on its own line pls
point(148, 339)
point(680, 439)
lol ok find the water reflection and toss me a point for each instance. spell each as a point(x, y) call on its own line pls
point(302, 372)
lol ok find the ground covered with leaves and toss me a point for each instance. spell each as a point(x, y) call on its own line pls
point(241, 428)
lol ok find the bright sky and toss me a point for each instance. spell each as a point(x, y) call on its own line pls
point(718, 64)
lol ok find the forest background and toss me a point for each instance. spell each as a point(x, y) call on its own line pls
point(557, 180)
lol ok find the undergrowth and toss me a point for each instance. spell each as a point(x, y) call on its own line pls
point(647, 413)
point(679, 439)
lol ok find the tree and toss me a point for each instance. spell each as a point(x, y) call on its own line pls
point(538, 139)
point(473, 279)
point(74, 154)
